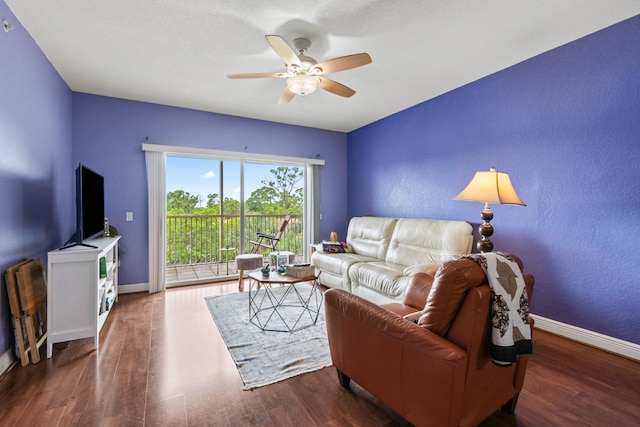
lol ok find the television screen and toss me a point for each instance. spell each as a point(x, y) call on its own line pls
point(89, 206)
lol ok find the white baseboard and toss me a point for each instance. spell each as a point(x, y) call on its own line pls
point(136, 287)
point(6, 360)
point(585, 336)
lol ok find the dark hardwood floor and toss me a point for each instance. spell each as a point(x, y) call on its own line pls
point(162, 362)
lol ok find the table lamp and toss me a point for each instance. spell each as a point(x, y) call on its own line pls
point(489, 187)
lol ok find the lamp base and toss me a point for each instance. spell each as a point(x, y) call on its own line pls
point(485, 230)
point(485, 245)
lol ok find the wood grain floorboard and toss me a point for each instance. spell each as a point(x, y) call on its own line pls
point(162, 362)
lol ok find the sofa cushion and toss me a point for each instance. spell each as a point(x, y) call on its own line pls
point(337, 263)
point(428, 241)
point(335, 268)
point(379, 276)
point(451, 284)
point(370, 236)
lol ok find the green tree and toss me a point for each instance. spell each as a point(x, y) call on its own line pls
point(260, 201)
point(282, 191)
point(231, 206)
point(181, 202)
point(212, 200)
point(280, 194)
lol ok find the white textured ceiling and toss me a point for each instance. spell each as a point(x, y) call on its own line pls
point(179, 52)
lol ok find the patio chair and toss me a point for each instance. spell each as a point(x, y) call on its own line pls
point(269, 241)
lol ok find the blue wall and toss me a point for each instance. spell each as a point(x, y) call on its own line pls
point(566, 126)
point(36, 177)
point(108, 134)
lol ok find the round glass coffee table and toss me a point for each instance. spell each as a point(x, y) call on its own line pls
point(282, 303)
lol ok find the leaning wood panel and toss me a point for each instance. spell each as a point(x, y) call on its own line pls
point(16, 309)
point(32, 287)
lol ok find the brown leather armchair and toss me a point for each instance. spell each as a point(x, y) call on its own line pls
point(438, 374)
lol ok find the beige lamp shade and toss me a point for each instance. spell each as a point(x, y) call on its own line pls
point(490, 187)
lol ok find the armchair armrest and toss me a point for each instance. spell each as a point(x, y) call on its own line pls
point(415, 372)
point(415, 296)
point(267, 236)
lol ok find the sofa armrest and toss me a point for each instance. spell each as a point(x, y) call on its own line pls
point(415, 372)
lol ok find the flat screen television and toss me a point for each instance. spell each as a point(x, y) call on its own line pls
point(89, 207)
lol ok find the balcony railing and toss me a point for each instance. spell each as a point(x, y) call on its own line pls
point(204, 239)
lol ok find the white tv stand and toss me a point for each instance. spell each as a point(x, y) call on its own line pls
point(79, 299)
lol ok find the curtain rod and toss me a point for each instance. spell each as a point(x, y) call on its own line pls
point(229, 155)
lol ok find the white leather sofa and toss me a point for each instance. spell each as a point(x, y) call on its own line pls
point(385, 252)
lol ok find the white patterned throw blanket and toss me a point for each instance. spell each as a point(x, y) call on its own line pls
point(511, 332)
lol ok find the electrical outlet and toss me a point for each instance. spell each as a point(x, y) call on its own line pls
point(129, 216)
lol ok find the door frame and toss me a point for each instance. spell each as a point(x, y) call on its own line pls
point(157, 223)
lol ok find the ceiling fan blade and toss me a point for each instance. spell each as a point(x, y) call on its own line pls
point(283, 50)
point(257, 76)
point(286, 96)
point(335, 87)
point(343, 63)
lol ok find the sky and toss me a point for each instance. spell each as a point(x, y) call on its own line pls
point(202, 176)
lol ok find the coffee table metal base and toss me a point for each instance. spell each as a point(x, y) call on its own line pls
point(272, 298)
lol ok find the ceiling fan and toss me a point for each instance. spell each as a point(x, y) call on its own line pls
point(304, 74)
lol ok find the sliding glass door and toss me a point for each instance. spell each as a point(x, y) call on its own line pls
point(216, 207)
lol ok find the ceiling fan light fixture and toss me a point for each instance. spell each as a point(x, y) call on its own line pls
point(303, 72)
point(303, 84)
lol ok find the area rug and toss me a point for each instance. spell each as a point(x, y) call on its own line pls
point(264, 357)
